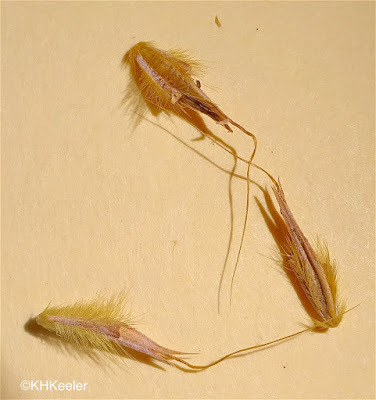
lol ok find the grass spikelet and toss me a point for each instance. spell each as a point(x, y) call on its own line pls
point(164, 79)
point(314, 270)
point(101, 324)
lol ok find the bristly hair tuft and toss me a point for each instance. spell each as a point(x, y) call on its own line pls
point(100, 311)
point(330, 268)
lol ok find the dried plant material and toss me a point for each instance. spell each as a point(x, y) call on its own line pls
point(164, 78)
point(101, 325)
point(217, 22)
point(242, 351)
point(315, 271)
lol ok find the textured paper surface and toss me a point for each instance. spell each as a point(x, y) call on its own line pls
point(92, 203)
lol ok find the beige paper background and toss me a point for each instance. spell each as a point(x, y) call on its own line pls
point(91, 203)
